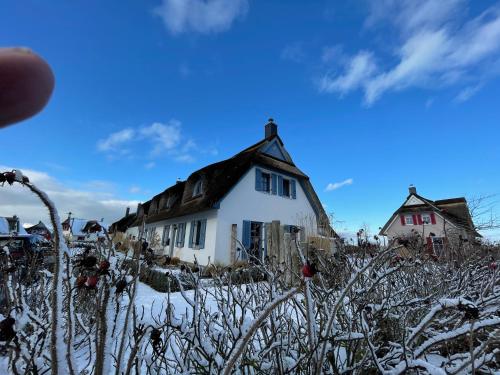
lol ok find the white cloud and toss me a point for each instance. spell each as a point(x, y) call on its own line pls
point(337, 185)
point(438, 47)
point(165, 137)
point(467, 93)
point(83, 203)
point(360, 68)
point(162, 139)
point(201, 16)
point(114, 140)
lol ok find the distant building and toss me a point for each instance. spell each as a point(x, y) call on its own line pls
point(39, 229)
point(11, 226)
point(440, 222)
point(226, 205)
point(124, 223)
point(75, 229)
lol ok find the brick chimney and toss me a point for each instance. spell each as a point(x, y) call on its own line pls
point(271, 128)
point(412, 189)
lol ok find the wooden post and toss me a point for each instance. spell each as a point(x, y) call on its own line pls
point(287, 244)
point(234, 234)
point(275, 239)
point(269, 242)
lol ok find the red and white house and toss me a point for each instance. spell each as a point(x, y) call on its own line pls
point(438, 222)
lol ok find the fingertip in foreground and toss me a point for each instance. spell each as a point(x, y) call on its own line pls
point(26, 84)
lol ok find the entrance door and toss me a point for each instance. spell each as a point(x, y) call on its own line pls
point(172, 240)
point(256, 239)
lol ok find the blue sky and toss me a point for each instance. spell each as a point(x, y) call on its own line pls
point(375, 94)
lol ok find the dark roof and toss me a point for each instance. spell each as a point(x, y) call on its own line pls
point(123, 224)
point(454, 210)
point(39, 226)
point(218, 179)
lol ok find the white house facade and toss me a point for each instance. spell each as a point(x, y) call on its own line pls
point(229, 203)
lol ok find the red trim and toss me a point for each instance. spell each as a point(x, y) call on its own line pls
point(415, 219)
point(433, 218)
point(419, 217)
point(403, 222)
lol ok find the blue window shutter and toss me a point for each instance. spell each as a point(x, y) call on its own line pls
point(203, 230)
point(191, 232)
point(246, 238)
point(280, 186)
point(258, 179)
point(294, 189)
point(274, 184)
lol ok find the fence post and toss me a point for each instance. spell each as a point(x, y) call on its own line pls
point(234, 234)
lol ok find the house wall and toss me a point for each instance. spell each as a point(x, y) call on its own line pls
point(442, 228)
point(243, 202)
point(186, 253)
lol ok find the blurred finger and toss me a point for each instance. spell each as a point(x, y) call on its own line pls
point(26, 83)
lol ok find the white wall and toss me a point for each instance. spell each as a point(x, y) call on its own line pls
point(245, 203)
point(186, 253)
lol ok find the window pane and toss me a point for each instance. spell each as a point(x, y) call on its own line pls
point(266, 182)
point(286, 188)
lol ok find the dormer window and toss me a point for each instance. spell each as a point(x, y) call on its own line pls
point(198, 188)
point(169, 202)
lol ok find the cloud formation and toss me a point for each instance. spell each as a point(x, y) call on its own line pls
point(161, 138)
point(337, 185)
point(200, 16)
point(438, 47)
point(93, 201)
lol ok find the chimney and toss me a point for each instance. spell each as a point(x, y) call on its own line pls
point(271, 129)
point(412, 189)
point(127, 211)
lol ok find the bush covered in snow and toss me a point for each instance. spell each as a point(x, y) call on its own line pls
point(349, 313)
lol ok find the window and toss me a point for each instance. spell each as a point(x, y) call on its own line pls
point(165, 241)
point(409, 220)
point(181, 233)
point(170, 201)
point(255, 238)
point(286, 187)
point(197, 234)
point(152, 234)
point(426, 219)
point(266, 182)
point(198, 188)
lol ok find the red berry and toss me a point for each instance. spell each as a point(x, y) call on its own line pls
point(493, 266)
point(104, 265)
point(307, 271)
point(92, 281)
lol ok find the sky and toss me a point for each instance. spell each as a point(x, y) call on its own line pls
point(369, 96)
